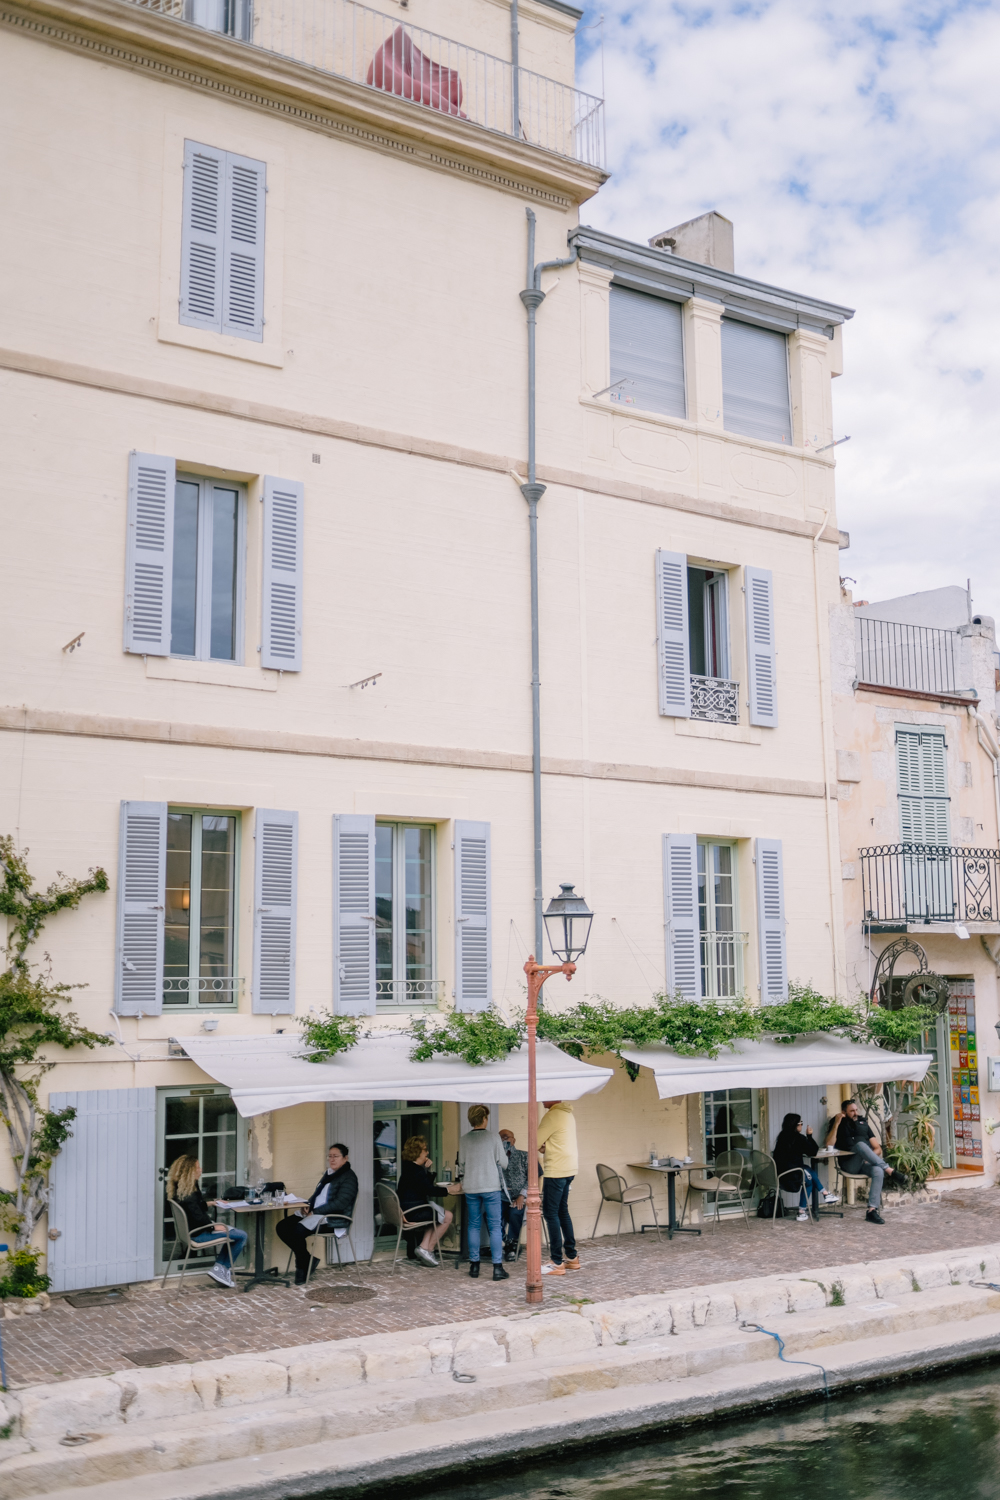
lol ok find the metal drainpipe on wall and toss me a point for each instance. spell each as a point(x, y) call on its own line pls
point(989, 744)
point(533, 297)
point(832, 819)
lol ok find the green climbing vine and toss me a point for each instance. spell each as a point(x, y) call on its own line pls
point(33, 1019)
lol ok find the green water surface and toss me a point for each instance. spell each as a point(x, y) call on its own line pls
point(935, 1440)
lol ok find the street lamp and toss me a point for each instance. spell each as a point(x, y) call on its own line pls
point(567, 922)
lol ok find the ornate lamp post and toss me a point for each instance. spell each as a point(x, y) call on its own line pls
point(567, 923)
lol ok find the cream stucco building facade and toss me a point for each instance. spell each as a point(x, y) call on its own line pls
point(264, 394)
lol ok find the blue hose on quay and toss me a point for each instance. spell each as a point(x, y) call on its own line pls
point(756, 1328)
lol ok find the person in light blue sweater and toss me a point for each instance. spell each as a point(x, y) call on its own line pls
point(481, 1163)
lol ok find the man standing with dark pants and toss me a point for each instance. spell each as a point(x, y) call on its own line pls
point(330, 1208)
point(850, 1133)
point(557, 1139)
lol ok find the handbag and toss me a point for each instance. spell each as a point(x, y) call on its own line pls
point(766, 1210)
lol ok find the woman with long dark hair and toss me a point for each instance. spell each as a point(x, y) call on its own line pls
point(182, 1185)
point(790, 1150)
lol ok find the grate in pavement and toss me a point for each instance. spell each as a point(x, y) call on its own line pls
point(341, 1294)
point(149, 1357)
point(108, 1297)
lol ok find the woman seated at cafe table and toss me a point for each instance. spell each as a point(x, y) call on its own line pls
point(415, 1187)
point(183, 1188)
point(789, 1150)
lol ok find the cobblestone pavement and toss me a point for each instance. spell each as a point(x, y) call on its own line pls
point(207, 1321)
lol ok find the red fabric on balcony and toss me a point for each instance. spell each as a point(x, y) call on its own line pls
point(403, 70)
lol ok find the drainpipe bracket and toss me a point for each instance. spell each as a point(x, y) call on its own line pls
point(532, 298)
point(532, 492)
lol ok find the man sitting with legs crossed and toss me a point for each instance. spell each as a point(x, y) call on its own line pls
point(850, 1133)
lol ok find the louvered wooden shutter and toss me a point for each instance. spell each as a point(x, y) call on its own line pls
point(672, 629)
point(924, 804)
point(142, 881)
point(473, 908)
point(354, 914)
point(203, 236)
point(647, 349)
point(680, 900)
point(276, 863)
point(755, 382)
point(243, 283)
point(149, 553)
point(761, 668)
point(281, 613)
point(103, 1190)
point(771, 921)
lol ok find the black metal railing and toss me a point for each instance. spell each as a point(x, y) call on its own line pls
point(906, 656)
point(904, 883)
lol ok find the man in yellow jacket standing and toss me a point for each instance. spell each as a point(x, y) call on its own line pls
point(557, 1139)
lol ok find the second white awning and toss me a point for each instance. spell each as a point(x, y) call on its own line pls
point(269, 1072)
point(810, 1059)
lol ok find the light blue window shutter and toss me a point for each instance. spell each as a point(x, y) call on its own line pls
point(755, 382)
point(102, 1190)
point(149, 553)
point(473, 917)
point(142, 888)
point(672, 634)
point(924, 804)
point(771, 921)
point(647, 349)
point(276, 862)
point(351, 1123)
point(680, 901)
point(203, 236)
point(354, 914)
point(243, 258)
point(761, 668)
point(281, 628)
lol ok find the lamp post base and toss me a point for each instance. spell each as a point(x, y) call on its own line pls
point(537, 975)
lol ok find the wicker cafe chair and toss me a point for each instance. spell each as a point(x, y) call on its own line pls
point(182, 1236)
point(328, 1231)
point(614, 1189)
point(725, 1187)
point(769, 1180)
point(396, 1218)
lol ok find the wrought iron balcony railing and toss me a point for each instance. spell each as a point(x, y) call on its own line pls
point(204, 989)
point(722, 964)
point(716, 699)
point(361, 44)
point(408, 994)
point(888, 654)
point(928, 883)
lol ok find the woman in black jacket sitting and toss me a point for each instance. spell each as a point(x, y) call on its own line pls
point(329, 1210)
point(415, 1188)
point(790, 1149)
point(182, 1187)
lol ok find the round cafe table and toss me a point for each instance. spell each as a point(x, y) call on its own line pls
point(261, 1276)
point(671, 1173)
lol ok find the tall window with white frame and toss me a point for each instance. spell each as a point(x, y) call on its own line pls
point(713, 695)
point(199, 966)
point(718, 920)
point(206, 620)
point(404, 916)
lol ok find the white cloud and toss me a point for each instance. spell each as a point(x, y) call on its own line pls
point(855, 149)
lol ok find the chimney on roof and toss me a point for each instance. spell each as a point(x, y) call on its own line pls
point(708, 239)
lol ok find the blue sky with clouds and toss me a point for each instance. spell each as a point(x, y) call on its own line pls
point(855, 148)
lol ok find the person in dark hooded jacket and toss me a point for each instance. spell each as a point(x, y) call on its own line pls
point(791, 1149)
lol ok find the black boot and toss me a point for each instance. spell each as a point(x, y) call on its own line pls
point(473, 1269)
point(874, 1217)
point(499, 1274)
point(303, 1272)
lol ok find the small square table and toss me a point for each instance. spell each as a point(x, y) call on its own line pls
point(260, 1276)
point(671, 1173)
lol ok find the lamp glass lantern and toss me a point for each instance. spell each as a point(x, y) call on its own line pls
point(567, 922)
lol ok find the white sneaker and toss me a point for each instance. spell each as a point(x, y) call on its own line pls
point(801, 1217)
point(222, 1275)
point(425, 1256)
point(553, 1270)
point(830, 1197)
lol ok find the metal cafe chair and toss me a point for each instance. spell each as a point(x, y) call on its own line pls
point(182, 1236)
point(769, 1180)
point(396, 1218)
point(726, 1186)
point(328, 1231)
point(614, 1189)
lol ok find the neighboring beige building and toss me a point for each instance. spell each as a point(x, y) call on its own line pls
point(265, 396)
point(915, 684)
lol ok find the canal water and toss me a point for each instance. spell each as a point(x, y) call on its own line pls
point(936, 1440)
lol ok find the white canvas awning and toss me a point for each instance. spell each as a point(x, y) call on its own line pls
point(768, 1063)
point(269, 1072)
